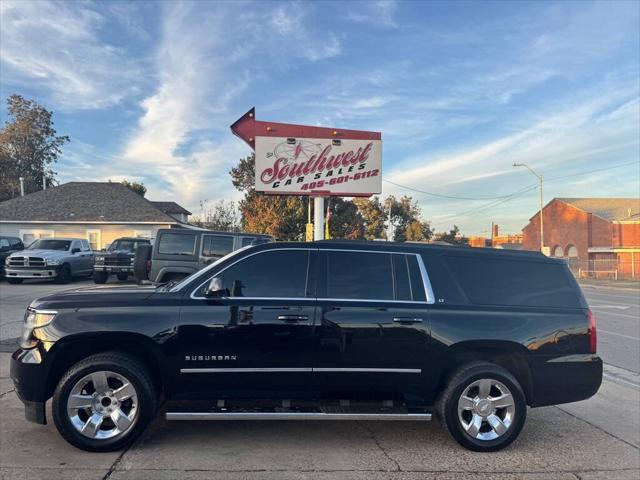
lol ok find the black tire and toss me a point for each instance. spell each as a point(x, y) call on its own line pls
point(15, 281)
point(122, 276)
point(64, 274)
point(143, 255)
point(121, 364)
point(459, 381)
point(100, 277)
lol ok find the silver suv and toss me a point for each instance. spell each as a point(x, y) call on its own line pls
point(55, 258)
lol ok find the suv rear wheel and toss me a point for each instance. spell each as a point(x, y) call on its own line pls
point(483, 407)
point(104, 402)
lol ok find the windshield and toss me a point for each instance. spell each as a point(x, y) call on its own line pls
point(199, 273)
point(50, 245)
point(125, 245)
point(4, 243)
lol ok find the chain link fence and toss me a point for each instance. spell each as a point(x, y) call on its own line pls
point(612, 269)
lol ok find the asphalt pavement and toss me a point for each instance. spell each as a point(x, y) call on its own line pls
point(595, 439)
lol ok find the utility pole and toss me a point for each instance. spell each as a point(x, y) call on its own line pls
point(539, 177)
point(22, 186)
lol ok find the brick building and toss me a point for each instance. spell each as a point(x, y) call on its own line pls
point(595, 234)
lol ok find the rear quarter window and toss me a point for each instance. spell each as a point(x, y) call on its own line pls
point(177, 244)
point(490, 281)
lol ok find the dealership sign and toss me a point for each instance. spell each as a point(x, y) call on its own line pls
point(305, 160)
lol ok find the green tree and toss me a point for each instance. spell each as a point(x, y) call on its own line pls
point(29, 147)
point(344, 219)
point(418, 231)
point(404, 213)
point(373, 216)
point(224, 217)
point(137, 187)
point(453, 236)
point(282, 216)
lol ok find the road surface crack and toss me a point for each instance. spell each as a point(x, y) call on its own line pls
point(373, 437)
point(598, 428)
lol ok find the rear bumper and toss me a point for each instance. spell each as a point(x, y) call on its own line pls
point(31, 273)
point(565, 379)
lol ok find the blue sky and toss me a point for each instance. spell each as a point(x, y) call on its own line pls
point(459, 90)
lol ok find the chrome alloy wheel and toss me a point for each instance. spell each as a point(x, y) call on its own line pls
point(102, 405)
point(486, 409)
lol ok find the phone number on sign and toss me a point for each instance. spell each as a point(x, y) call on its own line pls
point(341, 179)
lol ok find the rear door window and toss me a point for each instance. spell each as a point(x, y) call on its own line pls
point(177, 244)
point(216, 245)
point(359, 276)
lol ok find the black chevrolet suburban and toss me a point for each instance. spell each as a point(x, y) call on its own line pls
point(330, 330)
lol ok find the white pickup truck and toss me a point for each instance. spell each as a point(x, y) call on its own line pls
point(58, 259)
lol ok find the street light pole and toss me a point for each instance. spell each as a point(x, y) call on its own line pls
point(539, 177)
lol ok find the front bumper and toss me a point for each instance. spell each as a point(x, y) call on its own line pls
point(49, 272)
point(112, 269)
point(29, 374)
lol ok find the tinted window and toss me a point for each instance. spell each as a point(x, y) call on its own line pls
point(216, 245)
point(50, 245)
point(490, 281)
point(359, 275)
point(15, 242)
point(177, 244)
point(248, 241)
point(401, 283)
point(417, 284)
point(278, 273)
point(4, 243)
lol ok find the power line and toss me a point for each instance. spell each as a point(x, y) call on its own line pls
point(592, 171)
point(451, 197)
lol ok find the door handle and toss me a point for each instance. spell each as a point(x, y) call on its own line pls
point(407, 319)
point(293, 318)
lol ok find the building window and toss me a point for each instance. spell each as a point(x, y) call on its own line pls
point(572, 251)
point(29, 236)
point(557, 251)
point(94, 238)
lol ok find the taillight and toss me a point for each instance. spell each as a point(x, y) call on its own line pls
point(593, 341)
point(148, 266)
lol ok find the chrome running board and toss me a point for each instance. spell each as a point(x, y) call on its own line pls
point(425, 417)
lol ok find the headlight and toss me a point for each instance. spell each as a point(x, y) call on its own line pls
point(35, 319)
point(53, 261)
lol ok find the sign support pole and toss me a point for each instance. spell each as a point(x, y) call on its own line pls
point(318, 218)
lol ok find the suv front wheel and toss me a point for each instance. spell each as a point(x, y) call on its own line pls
point(483, 407)
point(104, 402)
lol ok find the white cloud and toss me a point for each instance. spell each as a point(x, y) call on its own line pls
point(379, 13)
point(56, 47)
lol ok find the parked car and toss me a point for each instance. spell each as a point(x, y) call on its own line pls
point(59, 259)
point(322, 331)
point(178, 253)
point(117, 259)
point(8, 245)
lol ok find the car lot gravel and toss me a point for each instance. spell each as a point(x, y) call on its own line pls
point(595, 439)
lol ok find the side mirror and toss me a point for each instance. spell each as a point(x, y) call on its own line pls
point(215, 288)
point(75, 250)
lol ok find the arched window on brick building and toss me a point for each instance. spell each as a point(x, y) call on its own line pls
point(557, 251)
point(572, 251)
